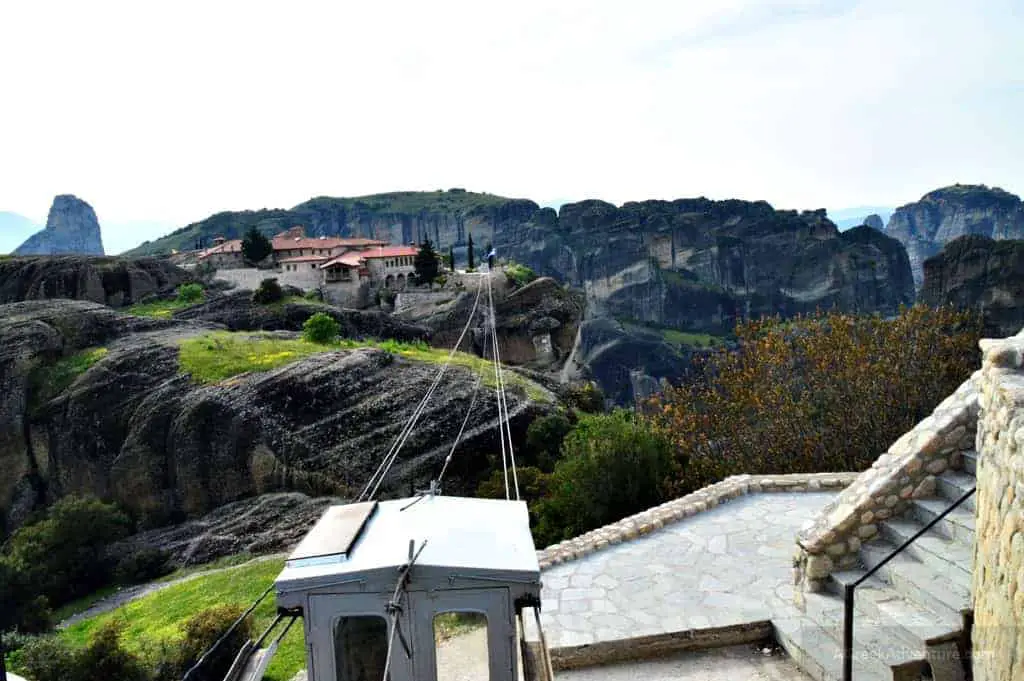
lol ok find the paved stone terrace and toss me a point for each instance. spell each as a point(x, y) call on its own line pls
point(731, 564)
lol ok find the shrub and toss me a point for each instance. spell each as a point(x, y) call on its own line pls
point(612, 465)
point(321, 328)
point(587, 397)
point(62, 557)
point(142, 566)
point(544, 440)
point(827, 392)
point(203, 630)
point(520, 275)
point(190, 294)
point(315, 295)
point(269, 291)
point(49, 658)
point(104, 658)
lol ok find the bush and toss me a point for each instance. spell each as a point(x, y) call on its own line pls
point(190, 294)
point(520, 275)
point(828, 392)
point(612, 465)
point(544, 441)
point(48, 658)
point(104, 658)
point(320, 328)
point(142, 566)
point(314, 295)
point(587, 397)
point(203, 630)
point(63, 557)
point(269, 291)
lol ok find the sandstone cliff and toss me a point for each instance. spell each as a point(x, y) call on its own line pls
point(979, 273)
point(112, 281)
point(71, 228)
point(951, 212)
point(133, 428)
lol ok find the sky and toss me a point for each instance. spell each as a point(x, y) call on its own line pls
point(160, 114)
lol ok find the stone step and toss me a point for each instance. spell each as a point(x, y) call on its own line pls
point(931, 548)
point(879, 600)
point(818, 654)
point(957, 525)
point(947, 593)
point(881, 650)
point(971, 462)
point(952, 485)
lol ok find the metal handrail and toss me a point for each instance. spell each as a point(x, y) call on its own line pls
point(848, 591)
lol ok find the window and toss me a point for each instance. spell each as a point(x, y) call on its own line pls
point(312, 267)
point(469, 658)
point(360, 648)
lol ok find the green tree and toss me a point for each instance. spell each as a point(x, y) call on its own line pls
point(255, 246)
point(190, 293)
point(544, 440)
point(612, 465)
point(470, 264)
point(321, 328)
point(451, 257)
point(426, 263)
point(269, 291)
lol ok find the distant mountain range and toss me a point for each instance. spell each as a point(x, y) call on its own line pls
point(14, 229)
point(846, 218)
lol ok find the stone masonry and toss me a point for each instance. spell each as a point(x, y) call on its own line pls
point(998, 578)
point(703, 499)
point(907, 471)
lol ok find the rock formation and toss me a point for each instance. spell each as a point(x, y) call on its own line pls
point(134, 429)
point(875, 222)
point(71, 228)
point(112, 281)
point(976, 272)
point(951, 212)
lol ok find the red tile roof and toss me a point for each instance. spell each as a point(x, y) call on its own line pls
point(285, 244)
point(233, 246)
point(347, 259)
point(305, 258)
point(389, 252)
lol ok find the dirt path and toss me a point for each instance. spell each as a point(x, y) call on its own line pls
point(129, 594)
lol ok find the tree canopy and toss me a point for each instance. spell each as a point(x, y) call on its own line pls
point(255, 246)
point(426, 263)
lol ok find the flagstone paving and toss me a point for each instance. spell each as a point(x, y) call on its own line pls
point(728, 565)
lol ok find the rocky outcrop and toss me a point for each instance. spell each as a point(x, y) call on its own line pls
point(952, 212)
point(237, 312)
point(116, 282)
point(874, 221)
point(979, 273)
point(71, 228)
point(132, 428)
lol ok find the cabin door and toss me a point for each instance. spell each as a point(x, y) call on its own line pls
point(347, 637)
point(464, 633)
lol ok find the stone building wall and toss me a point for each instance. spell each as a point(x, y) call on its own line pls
point(998, 631)
point(907, 471)
point(246, 278)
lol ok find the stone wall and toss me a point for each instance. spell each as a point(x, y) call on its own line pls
point(907, 471)
point(703, 499)
point(245, 277)
point(998, 631)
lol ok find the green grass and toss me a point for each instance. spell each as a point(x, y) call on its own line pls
point(49, 381)
point(161, 309)
point(223, 562)
point(161, 615)
point(222, 354)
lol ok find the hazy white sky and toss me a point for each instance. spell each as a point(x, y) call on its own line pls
point(173, 111)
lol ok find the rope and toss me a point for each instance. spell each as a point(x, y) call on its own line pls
point(370, 490)
point(395, 607)
point(469, 412)
point(503, 414)
point(497, 381)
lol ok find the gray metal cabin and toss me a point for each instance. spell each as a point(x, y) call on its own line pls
point(346, 580)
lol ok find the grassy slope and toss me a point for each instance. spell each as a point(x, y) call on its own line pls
point(162, 614)
point(222, 354)
point(234, 224)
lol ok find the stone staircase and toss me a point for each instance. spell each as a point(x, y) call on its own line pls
point(909, 616)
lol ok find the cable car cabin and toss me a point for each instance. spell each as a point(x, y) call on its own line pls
point(371, 580)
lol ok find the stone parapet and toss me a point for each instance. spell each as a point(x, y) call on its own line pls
point(702, 500)
point(907, 471)
point(998, 575)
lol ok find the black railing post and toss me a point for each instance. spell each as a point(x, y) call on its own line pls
point(848, 632)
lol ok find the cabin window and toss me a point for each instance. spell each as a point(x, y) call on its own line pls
point(360, 648)
point(461, 646)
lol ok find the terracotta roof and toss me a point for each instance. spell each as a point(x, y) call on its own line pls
point(233, 246)
point(390, 252)
point(305, 258)
point(347, 259)
point(285, 244)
